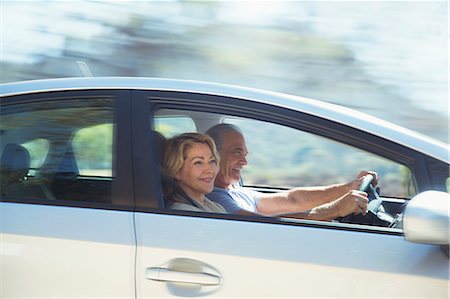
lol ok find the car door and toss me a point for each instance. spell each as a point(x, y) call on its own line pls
point(66, 198)
point(193, 254)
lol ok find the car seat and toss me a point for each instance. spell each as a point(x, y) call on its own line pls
point(14, 167)
point(14, 164)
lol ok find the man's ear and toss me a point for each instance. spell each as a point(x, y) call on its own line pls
point(177, 177)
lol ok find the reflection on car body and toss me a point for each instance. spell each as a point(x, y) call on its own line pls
point(83, 215)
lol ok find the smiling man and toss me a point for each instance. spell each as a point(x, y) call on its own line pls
point(315, 203)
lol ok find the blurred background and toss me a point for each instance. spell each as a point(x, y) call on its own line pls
point(388, 59)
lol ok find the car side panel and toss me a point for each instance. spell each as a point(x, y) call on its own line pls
point(66, 252)
point(256, 260)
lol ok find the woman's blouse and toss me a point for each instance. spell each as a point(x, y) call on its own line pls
point(206, 206)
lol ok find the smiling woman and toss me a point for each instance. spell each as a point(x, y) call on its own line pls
point(191, 160)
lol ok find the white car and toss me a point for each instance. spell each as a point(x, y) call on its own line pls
point(82, 213)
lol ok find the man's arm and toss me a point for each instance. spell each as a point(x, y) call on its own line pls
point(353, 202)
point(299, 199)
point(307, 198)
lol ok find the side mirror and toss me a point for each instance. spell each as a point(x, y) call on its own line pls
point(426, 218)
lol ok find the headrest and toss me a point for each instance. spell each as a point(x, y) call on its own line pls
point(14, 163)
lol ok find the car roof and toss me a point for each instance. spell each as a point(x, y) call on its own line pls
point(340, 114)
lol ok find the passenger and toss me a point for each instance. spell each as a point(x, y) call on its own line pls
point(191, 162)
point(315, 203)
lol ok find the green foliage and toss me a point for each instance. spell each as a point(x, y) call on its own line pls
point(93, 146)
point(171, 126)
point(38, 149)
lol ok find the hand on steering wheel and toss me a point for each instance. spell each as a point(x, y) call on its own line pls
point(377, 216)
point(372, 194)
point(366, 186)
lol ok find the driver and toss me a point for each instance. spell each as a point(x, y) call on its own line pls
point(314, 203)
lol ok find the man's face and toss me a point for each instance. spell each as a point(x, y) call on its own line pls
point(232, 159)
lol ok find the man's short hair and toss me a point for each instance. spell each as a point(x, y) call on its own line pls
point(218, 131)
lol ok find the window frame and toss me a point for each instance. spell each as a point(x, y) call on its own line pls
point(151, 101)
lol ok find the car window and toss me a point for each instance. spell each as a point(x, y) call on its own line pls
point(61, 150)
point(284, 157)
point(280, 156)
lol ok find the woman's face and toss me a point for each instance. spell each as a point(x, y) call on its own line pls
point(199, 170)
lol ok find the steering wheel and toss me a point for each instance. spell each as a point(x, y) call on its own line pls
point(376, 214)
point(375, 201)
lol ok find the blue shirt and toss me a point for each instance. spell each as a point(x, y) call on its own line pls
point(235, 199)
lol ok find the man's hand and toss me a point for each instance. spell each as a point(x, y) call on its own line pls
point(356, 183)
point(353, 202)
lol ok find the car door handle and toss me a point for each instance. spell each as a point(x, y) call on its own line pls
point(168, 275)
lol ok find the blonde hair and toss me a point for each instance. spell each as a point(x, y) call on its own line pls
point(176, 149)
